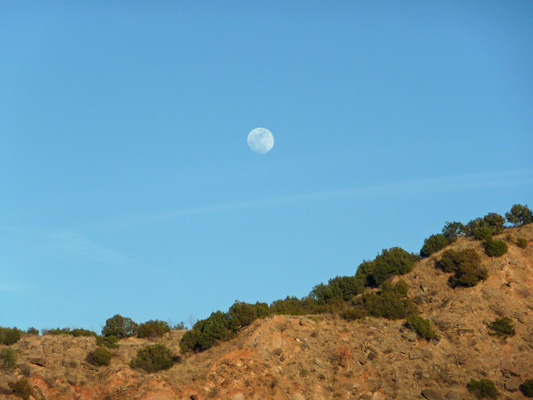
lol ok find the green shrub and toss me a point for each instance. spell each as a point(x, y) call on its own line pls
point(32, 331)
point(480, 226)
point(421, 326)
point(522, 243)
point(495, 248)
point(119, 326)
point(9, 336)
point(67, 331)
point(473, 225)
point(482, 388)
point(111, 342)
point(353, 314)
point(207, 332)
point(433, 244)
point(483, 233)
point(152, 329)
point(294, 306)
point(243, 314)
point(390, 302)
point(466, 266)
point(527, 388)
point(222, 326)
point(452, 230)
point(8, 358)
point(154, 358)
point(340, 288)
point(519, 215)
point(82, 332)
point(395, 261)
point(21, 388)
point(99, 357)
point(502, 327)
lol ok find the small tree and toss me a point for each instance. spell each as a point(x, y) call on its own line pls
point(154, 358)
point(433, 244)
point(452, 230)
point(522, 243)
point(519, 215)
point(119, 326)
point(495, 222)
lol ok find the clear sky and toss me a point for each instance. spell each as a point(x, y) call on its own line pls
point(127, 185)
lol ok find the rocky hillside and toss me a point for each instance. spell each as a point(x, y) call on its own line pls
point(322, 357)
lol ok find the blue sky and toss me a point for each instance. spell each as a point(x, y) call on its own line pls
point(126, 182)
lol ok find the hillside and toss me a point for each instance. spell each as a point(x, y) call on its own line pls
point(322, 356)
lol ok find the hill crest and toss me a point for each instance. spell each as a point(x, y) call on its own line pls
point(323, 356)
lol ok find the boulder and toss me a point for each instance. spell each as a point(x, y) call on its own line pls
point(453, 395)
point(513, 384)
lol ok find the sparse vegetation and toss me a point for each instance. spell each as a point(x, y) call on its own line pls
point(99, 357)
point(502, 327)
point(154, 358)
point(8, 358)
point(519, 215)
point(152, 329)
point(21, 388)
point(9, 336)
point(32, 331)
point(434, 243)
point(466, 265)
point(68, 331)
point(180, 326)
point(421, 326)
point(522, 243)
point(527, 388)
point(119, 327)
point(482, 388)
point(495, 248)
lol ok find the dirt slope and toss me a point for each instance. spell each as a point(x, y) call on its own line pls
point(323, 357)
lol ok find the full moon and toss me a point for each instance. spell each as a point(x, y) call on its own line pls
point(261, 140)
